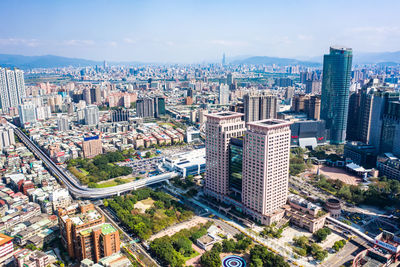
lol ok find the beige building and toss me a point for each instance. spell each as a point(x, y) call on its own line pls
point(260, 106)
point(92, 147)
point(265, 173)
point(220, 127)
point(305, 214)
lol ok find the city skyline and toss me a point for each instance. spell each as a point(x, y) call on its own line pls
point(188, 31)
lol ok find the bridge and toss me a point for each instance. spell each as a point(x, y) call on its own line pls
point(351, 229)
point(75, 188)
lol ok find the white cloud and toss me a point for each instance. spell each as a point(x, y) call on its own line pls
point(129, 41)
point(19, 41)
point(78, 42)
point(228, 43)
point(305, 37)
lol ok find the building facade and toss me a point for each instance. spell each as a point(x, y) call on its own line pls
point(335, 92)
point(220, 128)
point(84, 233)
point(91, 115)
point(260, 106)
point(12, 88)
point(265, 171)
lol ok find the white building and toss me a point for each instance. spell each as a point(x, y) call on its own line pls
point(192, 135)
point(7, 137)
point(187, 163)
point(91, 115)
point(60, 198)
point(27, 113)
point(223, 94)
point(42, 112)
point(12, 88)
point(63, 124)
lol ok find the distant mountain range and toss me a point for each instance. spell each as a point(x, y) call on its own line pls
point(259, 60)
point(50, 61)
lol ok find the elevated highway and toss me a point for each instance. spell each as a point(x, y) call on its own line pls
point(75, 188)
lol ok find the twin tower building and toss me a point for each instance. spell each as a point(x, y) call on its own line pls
point(248, 164)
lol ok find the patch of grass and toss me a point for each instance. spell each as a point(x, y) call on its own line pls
point(194, 254)
point(83, 171)
point(114, 182)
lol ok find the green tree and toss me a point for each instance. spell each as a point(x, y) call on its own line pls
point(322, 234)
point(228, 245)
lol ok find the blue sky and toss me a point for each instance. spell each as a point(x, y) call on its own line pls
point(195, 30)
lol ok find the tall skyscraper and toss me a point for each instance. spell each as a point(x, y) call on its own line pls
point(265, 171)
point(12, 88)
point(390, 140)
point(335, 92)
point(91, 115)
point(223, 59)
point(223, 93)
point(220, 128)
point(260, 106)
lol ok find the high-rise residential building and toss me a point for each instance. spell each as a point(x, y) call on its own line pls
point(63, 124)
point(87, 96)
point(6, 137)
point(309, 104)
point(265, 171)
point(95, 95)
point(27, 113)
point(335, 92)
point(283, 82)
point(260, 106)
point(119, 115)
point(220, 128)
point(313, 87)
point(230, 81)
point(145, 107)
point(12, 88)
point(91, 115)
point(92, 146)
point(85, 234)
point(223, 94)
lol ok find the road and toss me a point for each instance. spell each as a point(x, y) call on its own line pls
point(349, 251)
point(138, 250)
point(78, 190)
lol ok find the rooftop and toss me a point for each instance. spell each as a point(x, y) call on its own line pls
point(5, 239)
point(270, 123)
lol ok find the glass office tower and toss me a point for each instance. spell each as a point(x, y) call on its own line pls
point(235, 166)
point(335, 92)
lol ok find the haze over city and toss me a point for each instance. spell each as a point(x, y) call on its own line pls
point(199, 133)
point(195, 31)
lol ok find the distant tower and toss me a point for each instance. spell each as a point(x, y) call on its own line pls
point(223, 59)
point(105, 64)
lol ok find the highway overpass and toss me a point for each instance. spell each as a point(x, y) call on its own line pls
point(75, 188)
